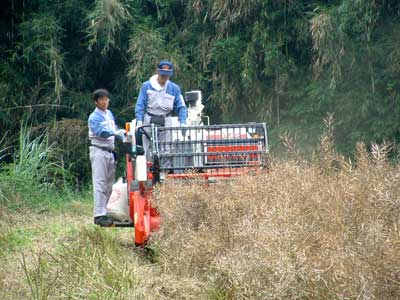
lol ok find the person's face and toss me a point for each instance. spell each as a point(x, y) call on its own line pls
point(102, 103)
point(162, 79)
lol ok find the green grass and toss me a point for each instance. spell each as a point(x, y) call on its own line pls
point(34, 198)
point(57, 257)
point(62, 255)
point(23, 227)
point(12, 239)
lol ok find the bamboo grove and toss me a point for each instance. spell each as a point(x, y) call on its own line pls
point(257, 60)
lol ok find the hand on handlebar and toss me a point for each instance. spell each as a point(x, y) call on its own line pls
point(120, 132)
point(183, 130)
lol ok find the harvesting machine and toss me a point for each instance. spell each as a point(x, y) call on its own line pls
point(196, 151)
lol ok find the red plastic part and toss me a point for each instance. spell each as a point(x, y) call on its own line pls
point(231, 157)
point(141, 219)
point(144, 217)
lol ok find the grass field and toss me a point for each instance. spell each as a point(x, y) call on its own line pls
point(319, 228)
point(305, 230)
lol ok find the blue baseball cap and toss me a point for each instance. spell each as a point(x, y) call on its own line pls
point(165, 68)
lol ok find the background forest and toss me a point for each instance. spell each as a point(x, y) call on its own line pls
point(319, 226)
point(284, 62)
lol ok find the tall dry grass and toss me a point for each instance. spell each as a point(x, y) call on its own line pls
point(328, 229)
point(321, 229)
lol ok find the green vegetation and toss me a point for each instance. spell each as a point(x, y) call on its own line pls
point(318, 226)
point(309, 229)
point(36, 178)
point(284, 62)
point(12, 239)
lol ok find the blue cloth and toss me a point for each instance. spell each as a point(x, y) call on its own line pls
point(165, 67)
point(165, 63)
point(169, 91)
point(102, 124)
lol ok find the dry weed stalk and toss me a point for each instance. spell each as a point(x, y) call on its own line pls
point(380, 153)
point(362, 156)
point(289, 142)
point(294, 232)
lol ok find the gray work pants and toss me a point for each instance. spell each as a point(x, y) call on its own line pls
point(163, 136)
point(103, 177)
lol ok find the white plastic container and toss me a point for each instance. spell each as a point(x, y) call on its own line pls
point(118, 206)
point(141, 168)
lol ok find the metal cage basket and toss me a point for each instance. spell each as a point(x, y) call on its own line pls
point(210, 147)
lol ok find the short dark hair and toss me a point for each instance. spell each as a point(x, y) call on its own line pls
point(100, 93)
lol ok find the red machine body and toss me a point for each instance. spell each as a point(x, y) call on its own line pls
point(145, 218)
point(207, 152)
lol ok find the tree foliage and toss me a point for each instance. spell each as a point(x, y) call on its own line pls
point(254, 60)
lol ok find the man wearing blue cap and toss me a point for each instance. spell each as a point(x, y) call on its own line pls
point(157, 99)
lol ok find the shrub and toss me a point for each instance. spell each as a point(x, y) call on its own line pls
point(33, 172)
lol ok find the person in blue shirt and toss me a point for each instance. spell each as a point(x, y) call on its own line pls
point(158, 97)
point(102, 133)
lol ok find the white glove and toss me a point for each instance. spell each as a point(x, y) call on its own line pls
point(183, 130)
point(120, 132)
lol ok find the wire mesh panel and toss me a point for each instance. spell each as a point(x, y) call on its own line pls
point(210, 148)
